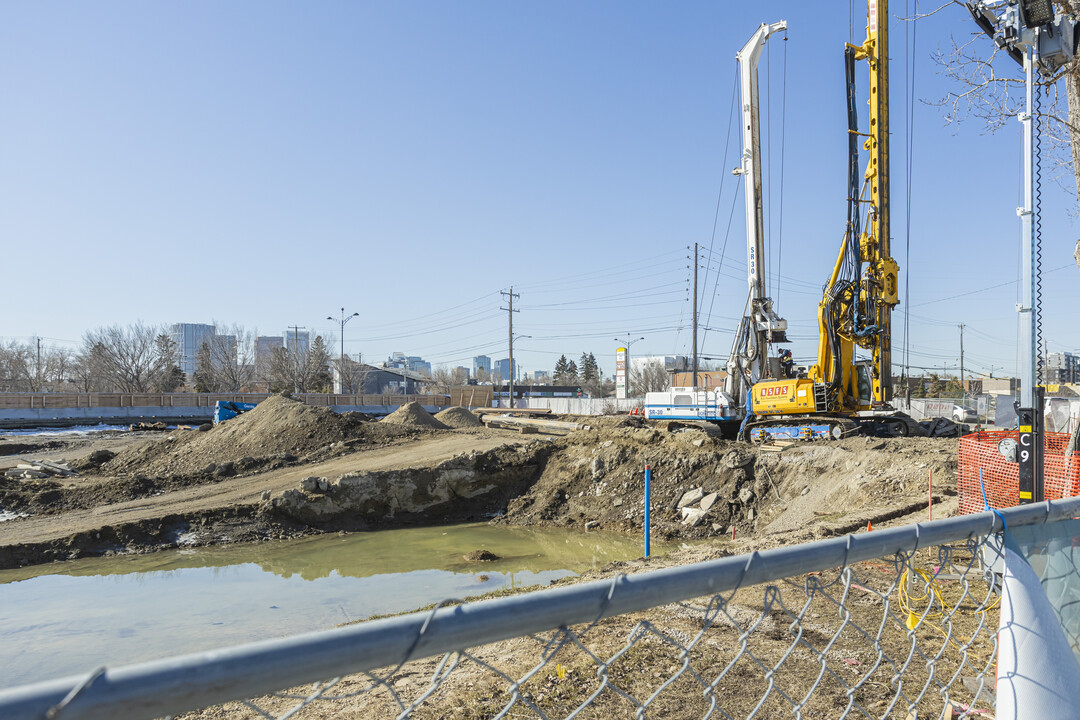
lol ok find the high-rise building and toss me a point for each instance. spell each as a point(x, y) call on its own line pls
point(502, 369)
point(481, 362)
point(1062, 367)
point(265, 345)
point(189, 337)
point(297, 340)
point(418, 364)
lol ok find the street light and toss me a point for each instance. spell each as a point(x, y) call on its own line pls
point(629, 342)
point(341, 363)
point(511, 369)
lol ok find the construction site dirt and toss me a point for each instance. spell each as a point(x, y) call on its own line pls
point(285, 469)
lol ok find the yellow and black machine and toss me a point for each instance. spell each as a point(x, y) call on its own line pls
point(841, 394)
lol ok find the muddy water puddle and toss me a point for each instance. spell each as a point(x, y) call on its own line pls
point(68, 618)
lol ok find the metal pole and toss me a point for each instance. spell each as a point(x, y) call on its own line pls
point(648, 502)
point(341, 365)
point(1026, 305)
point(695, 313)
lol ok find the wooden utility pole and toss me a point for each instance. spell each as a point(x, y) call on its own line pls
point(963, 387)
point(510, 314)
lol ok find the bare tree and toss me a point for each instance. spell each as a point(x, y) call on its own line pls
point(23, 368)
point(226, 361)
point(125, 359)
point(301, 369)
point(990, 89)
point(459, 376)
point(646, 377)
point(59, 363)
point(354, 375)
point(441, 381)
point(14, 364)
point(86, 374)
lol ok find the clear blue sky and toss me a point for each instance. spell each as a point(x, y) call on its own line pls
point(265, 163)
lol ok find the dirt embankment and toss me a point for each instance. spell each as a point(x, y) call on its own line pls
point(285, 469)
point(703, 486)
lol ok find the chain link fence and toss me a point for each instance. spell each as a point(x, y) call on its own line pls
point(900, 622)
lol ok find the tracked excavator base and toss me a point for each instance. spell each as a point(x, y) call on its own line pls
point(828, 427)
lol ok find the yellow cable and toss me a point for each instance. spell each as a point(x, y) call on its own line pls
point(933, 592)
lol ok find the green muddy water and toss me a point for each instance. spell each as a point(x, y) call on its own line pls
point(67, 618)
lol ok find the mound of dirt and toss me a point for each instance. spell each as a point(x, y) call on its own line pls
point(704, 486)
point(277, 431)
point(413, 415)
point(458, 417)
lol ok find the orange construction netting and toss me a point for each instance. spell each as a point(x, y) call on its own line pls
point(1061, 475)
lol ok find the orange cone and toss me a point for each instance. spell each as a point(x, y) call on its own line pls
point(869, 526)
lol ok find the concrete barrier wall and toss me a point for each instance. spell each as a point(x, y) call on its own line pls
point(579, 406)
point(66, 417)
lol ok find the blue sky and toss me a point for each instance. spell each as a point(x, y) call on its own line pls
point(265, 163)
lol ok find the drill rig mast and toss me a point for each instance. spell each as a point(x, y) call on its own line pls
point(749, 360)
point(856, 309)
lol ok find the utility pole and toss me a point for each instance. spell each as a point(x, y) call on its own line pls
point(296, 355)
point(694, 339)
point(510, 314)
point(963, 388)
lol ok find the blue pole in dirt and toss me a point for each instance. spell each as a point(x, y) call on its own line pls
point(648, 482)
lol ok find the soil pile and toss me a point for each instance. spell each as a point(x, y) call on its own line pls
point(277, 431)
point(413, 415)
point(705, 486)
point(458, 417)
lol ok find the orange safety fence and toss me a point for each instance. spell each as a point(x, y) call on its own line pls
point(1061, 475)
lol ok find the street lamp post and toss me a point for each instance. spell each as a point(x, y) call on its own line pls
point(341, 362)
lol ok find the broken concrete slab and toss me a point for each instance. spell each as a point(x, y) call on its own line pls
point(690, 497)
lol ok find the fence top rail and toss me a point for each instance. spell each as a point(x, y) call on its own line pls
point(201, 679)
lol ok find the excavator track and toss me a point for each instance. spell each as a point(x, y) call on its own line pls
point(801, 427)
point(830, 427)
